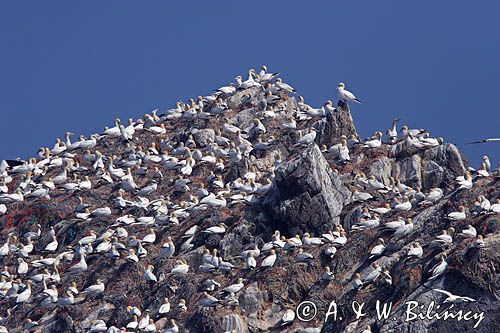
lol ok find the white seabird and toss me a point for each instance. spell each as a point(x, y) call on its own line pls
point(454, 298)
point(345, 95)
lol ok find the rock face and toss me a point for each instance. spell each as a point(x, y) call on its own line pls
point(310, 192)
point(308, 195)
point(335, 125)
point(422, 168)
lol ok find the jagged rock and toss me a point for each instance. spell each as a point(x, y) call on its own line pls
point(203, 136)
point(307, 194)
point(335, 124)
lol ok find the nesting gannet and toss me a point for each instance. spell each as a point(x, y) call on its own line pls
point(445, 236)
point(303, 256)
point(345, 95)
point(357, 282)
point(415, 250)
point(97, 288)
point(495, 208)
point(465, 181)
point(283, 86)
point(234, 288)
point(308, 138)
point(269, 260)
point(25, 295)
point(52, 246)
point(457, 216)
point(219, 229)
point(378, 249)
point(265, 76)
point(307, 240)
point(374, 142)
point(373, 275)
point(209, 301)
point(180, 268)
point(173, 327)
point(403, 206)
point(440, 268)
point(133, 324)
point(148, 274)
point(479, 241)
point(392, 133)
point(405, 229)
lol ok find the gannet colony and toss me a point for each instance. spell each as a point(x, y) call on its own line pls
point(249, 210)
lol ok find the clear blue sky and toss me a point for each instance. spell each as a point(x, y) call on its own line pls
point(76, 65)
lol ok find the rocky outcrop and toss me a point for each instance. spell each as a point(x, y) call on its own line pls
point(310, 193)
point(335, 124)
point(307, 195)
point(424, 168)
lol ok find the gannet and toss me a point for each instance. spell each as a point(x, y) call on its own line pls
point(345, 95)
point(134, 323)
point(80, 267)
point(479, 241)
point(454, 298)
point(485, 204)
point(22, 267)
point(485, 140)
point(404, 229)
point(375, 184)
point(307, 240)
point(25, 295)
point(269, 260)
point(209, 301)
point(392, 133)
point(303, 256)
point(68, 300)
point(377, 249)
point(465, 181)
point(288, 317)
point(234, 288)
point(495, 208)
point(250, 262)
point(440, 268)
point(148, 274)
point(113, 131)
point(97, 288)
point(283, 86)
point(52, 246)
point(132, 257)
point(219, 229)
point(165, 307)
point(308, 138)
point(173, 328)
point(101, 212)
point(264, 76)
point(180, 268)
point(434, 195)
point(360, 196)
point(403, 206)
point(375, 142)
point(373, 275)
point(168, 249)
point(357, 282)
point(382, 210)
point(446, 236)
point(415, 250)
point(457, 216)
